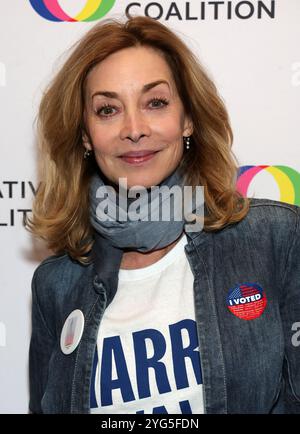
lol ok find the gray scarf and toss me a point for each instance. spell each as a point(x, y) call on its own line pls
point(140, 235)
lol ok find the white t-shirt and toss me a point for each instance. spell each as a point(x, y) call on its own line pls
point(147, 342)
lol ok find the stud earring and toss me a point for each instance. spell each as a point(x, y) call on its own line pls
point(87, 153)
point(187, 142)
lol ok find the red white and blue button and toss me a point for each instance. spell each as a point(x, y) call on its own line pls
point(246, 300)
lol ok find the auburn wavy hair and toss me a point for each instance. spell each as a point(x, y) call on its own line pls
point(60, 212)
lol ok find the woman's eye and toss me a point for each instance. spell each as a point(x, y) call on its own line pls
point(105, 111)
point(159, 102)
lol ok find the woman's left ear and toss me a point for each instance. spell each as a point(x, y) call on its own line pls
point(85, 140)
point(188, 127)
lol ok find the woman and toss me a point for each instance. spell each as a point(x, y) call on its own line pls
point(145, 316)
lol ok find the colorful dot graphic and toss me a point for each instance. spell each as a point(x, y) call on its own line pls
point(287, 179)
point(52, 11)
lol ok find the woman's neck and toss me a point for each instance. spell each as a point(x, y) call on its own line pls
point(133, 259)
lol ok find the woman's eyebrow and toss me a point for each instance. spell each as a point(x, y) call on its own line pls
point(145, 88)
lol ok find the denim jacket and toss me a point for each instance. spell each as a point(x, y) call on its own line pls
point(248, 366)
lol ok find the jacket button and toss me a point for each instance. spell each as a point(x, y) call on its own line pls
point(97, 283)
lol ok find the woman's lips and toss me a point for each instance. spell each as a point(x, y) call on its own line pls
point(137, 160)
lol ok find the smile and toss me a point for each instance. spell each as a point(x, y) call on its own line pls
point(138, 160)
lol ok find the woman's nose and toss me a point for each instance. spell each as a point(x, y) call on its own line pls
point(135, 125)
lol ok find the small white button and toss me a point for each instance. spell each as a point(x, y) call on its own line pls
point(72, 331)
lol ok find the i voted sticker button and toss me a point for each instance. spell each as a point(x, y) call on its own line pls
point(72, 331)
point(247, 300)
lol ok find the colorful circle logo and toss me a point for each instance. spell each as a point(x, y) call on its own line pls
point(246, 301)
point(287, 179)
point(52, 11)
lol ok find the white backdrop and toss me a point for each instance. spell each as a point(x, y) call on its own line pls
point(254, 59)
